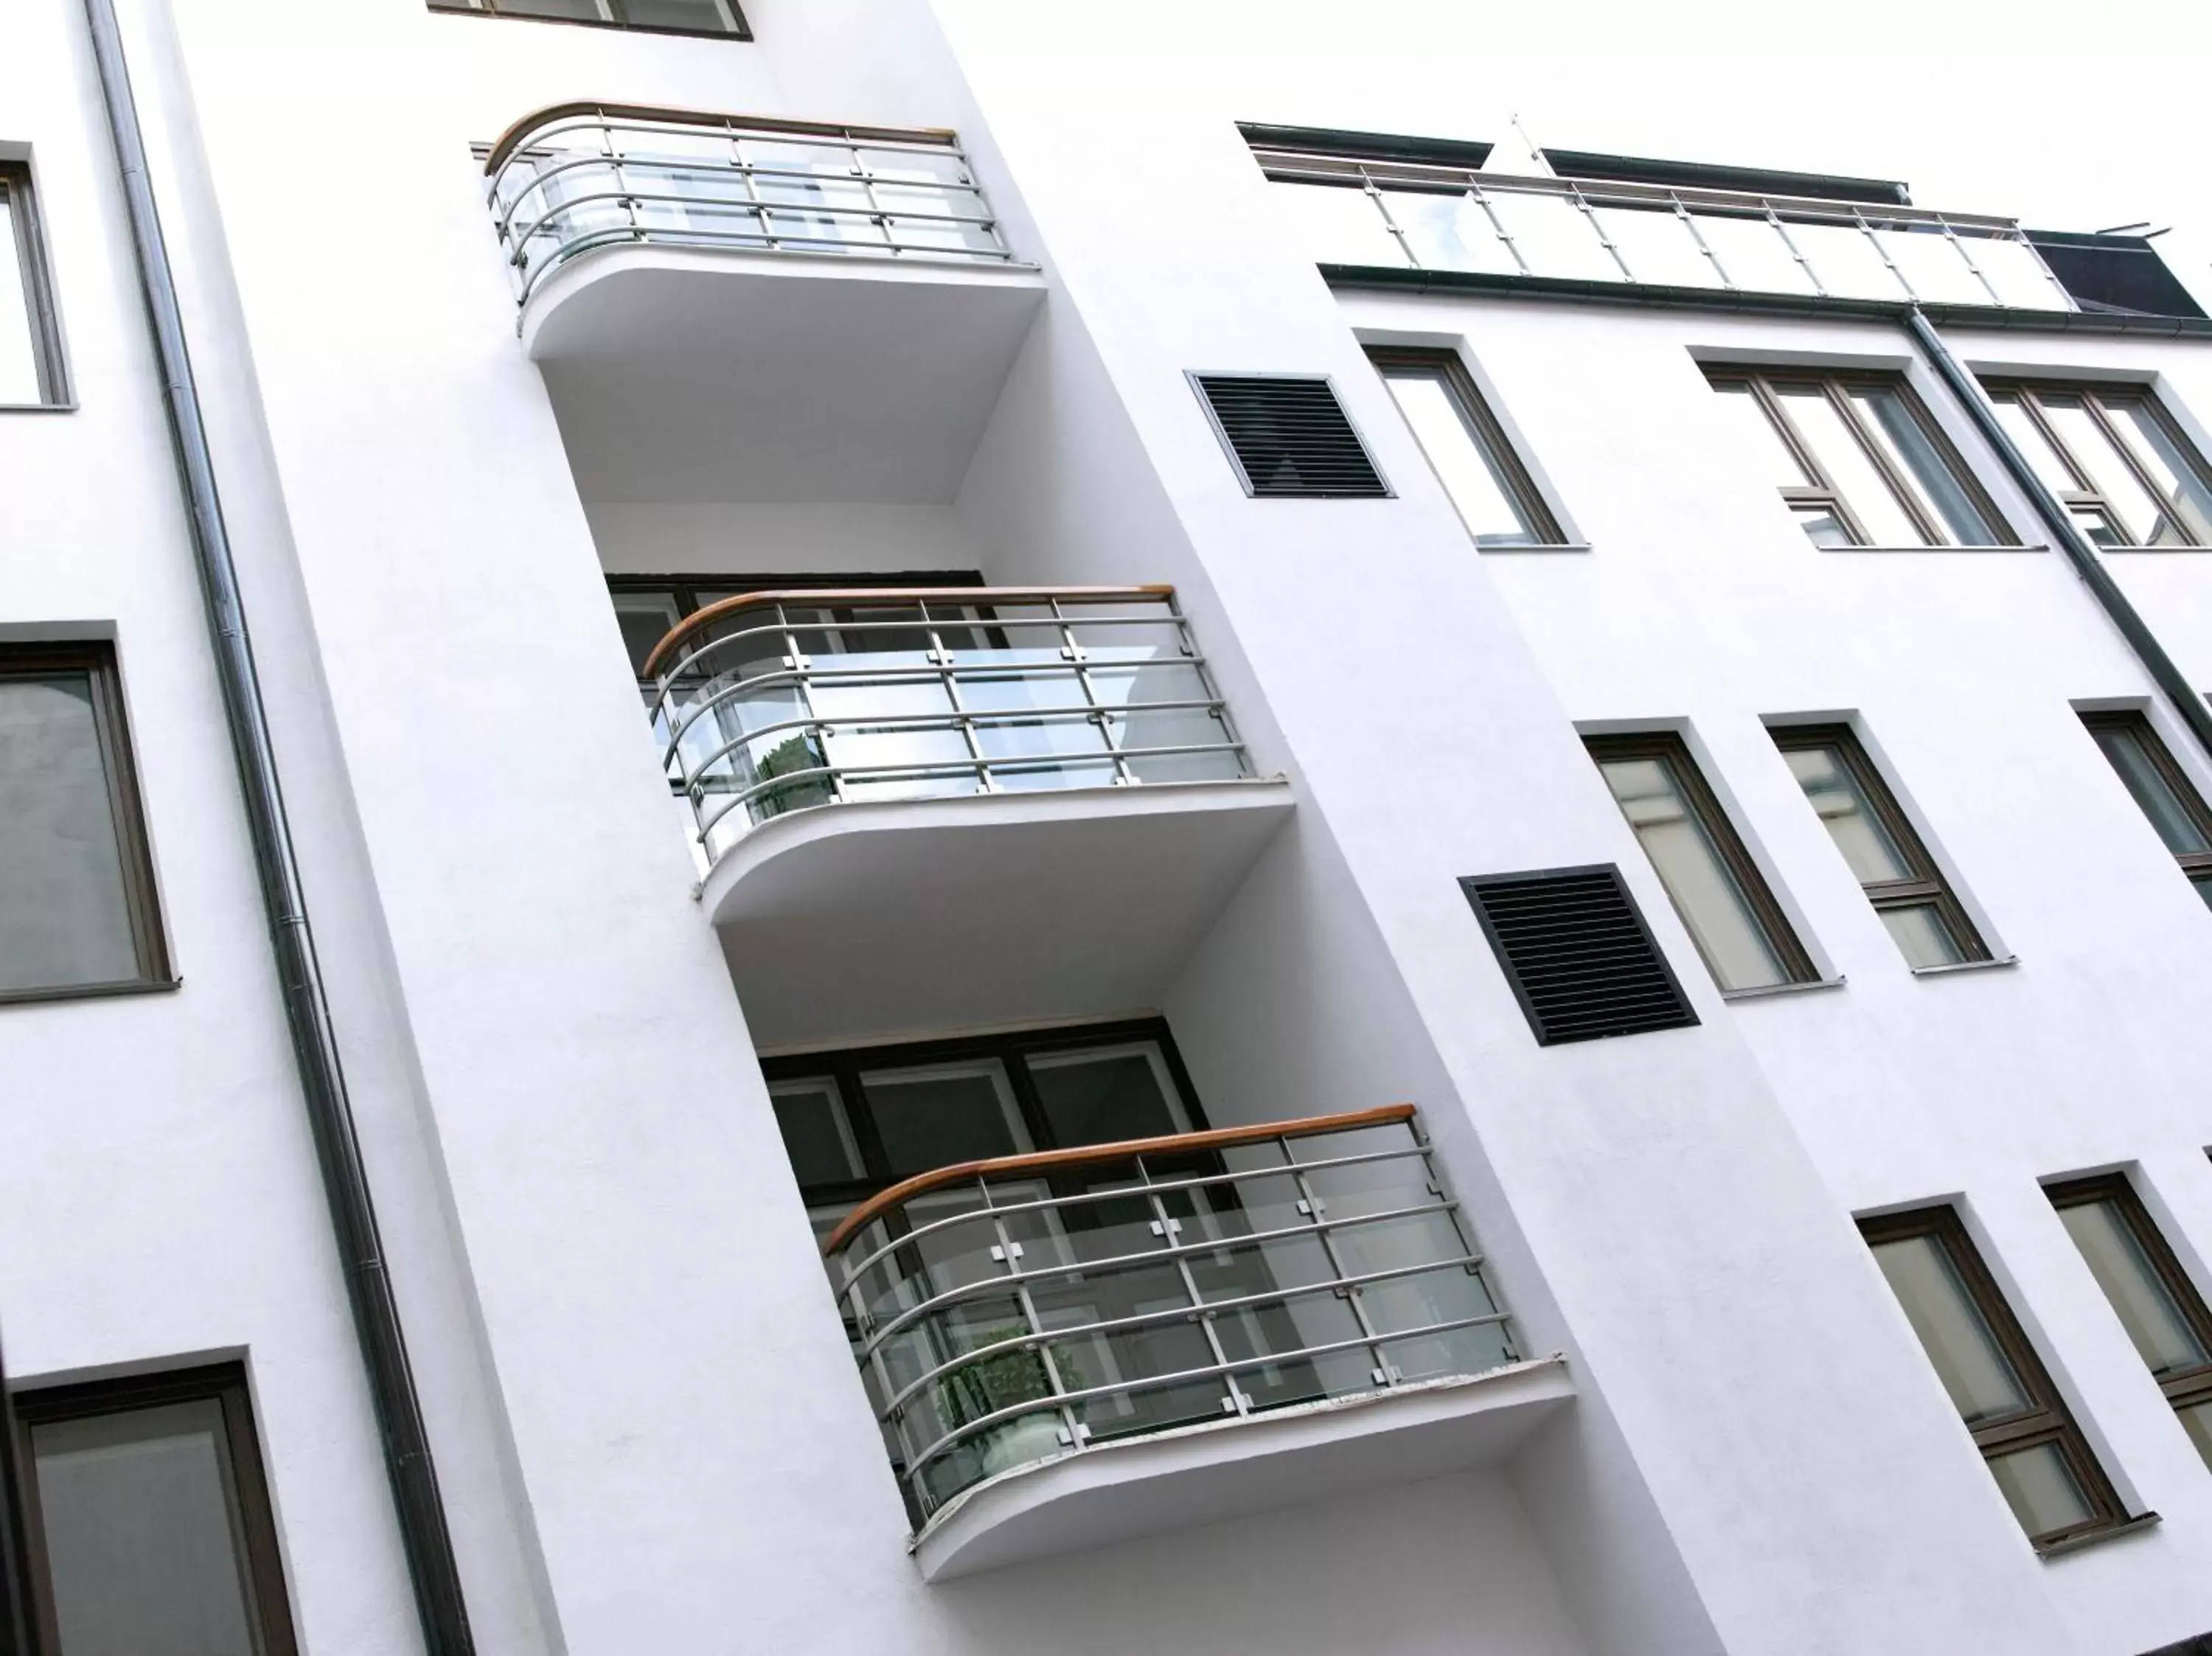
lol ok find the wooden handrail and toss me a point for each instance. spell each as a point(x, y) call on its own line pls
point(513, 139)
point(1054, 1161)
point(699, 618)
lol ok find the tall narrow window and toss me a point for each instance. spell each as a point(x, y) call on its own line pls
point(2157, 1305)
point(2000, 1386)
point(1859, 461)
point(149, 1522)
point(2114, 458)
point(30, 337)
point(650, 16)
point(1870, 828)
point(1717, 888)
point(76, 889)
point(1467, 446)
point(2175, 809)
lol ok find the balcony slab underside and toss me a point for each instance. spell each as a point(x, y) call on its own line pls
point(894, 917)
point(1204, 1474)
point(687, 375)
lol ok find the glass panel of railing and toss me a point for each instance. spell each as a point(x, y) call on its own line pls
point(1756, 256)
point(1931, 260)
point(1338, 225)
point(1553, 236)
point(1846, 259)
point(1657, 245)
point(815, 198)
point(1450, 232)
point(2018, 273)
point(929, 200)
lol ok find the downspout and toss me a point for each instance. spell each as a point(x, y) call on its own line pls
point(420, 1513)
point(2186, 700)
point(18, 1626)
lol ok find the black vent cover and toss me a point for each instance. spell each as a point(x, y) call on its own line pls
point(1288, 436)
point(1577, 954)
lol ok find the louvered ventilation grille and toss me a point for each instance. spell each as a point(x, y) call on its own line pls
point(1289, 437)
point(1577, 954)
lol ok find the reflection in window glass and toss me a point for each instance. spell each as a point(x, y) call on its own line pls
point(2041, 1490)
point(1923, 937)
point(1960, 1345)
point(1847, 467)
point(1905, 445)
point(2141, 760)
point(941, 1114)
point(1758, 434)
point(2184, 495)
point(2114, 460)
point(19, 351)
point(1472, 473)
point(816, 1136)
point(1844, 812)
point(1096, 1095)
point(2147, 1307)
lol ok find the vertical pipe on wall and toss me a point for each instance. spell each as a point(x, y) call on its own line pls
point(2164, 672)
point(420, 1509)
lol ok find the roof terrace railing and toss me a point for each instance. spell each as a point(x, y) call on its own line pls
point(1427, 216)
point(576, 178)
point(773, 702)
point(1007, 1312)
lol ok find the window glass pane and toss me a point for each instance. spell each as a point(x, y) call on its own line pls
point(1822, 526)
point(646, 619)
point(144, 1536)
point(2197, 1421)
point(1847, 467)
point(1705, 893)
point(2146, 1306)
point(941, 1113)
point(1950, 1326)
point(2147, 781)
point(1758, 435)
point(1912, 454)
point(2041, 1490)
point(2029, 438)
point(811, 1115)
point(1107, 1092)
point(2188, 503)
point(1470, 473)
point(2203, 884)
point(705, 16)
point(2108, 472)
point(1842, 809)
point(19, 357)
point(1922, 935)
point(585, 10)
point(64, 915)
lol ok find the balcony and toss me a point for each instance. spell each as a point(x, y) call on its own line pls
point(684, 280)
point(1077, 1346)
point(879, 775)
point(1408, 215)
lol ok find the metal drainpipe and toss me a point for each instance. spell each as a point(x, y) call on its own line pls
point(2087, 564)
point(420, 1513)
point(18, 1626)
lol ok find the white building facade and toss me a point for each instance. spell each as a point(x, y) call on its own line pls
point(1463, 888)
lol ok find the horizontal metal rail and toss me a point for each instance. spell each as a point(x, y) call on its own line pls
point(576, 178)
point(752, 727)
point(1442, 217)
point(957, 1395)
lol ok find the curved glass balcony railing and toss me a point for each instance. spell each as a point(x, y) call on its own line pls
point(577, 178)
point(1007, 1312)
point(774, 703)
point(1425, 216)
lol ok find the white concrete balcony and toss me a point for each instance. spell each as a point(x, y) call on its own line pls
point(1075, 1347)
point(685, 281)
point(877, 777)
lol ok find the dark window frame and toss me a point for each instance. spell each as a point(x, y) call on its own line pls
point(1928, 884)
point(2196, 866)
point(1518, 484)
point(492, 8)
point(126, 807)
point(268, 1598)
point(1011, 1048)
point(2083, 497)
point(2048, 1420)
point(1824, 492)
point(1671, 750)
point(21, 190)
point(2184, 1388)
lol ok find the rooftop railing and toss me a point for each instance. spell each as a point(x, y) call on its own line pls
point(1008, 1312)
point(773, 702)
point(1454, 218)
point(580, 177)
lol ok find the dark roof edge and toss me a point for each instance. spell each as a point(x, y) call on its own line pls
point(1703, 175)
point(1336, 141)
point(1658, 296)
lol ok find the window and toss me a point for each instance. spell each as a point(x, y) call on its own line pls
point(2115, 458)
point(149, 1523)
point(1717, 890)
point(1863, 818)
point(2002, 1392)
point(650, 16)
point(30, 341)
point(76, 889)
point(2175, 809)
point(1859, 461)
point(1467, 446)
point(2157, 1304)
